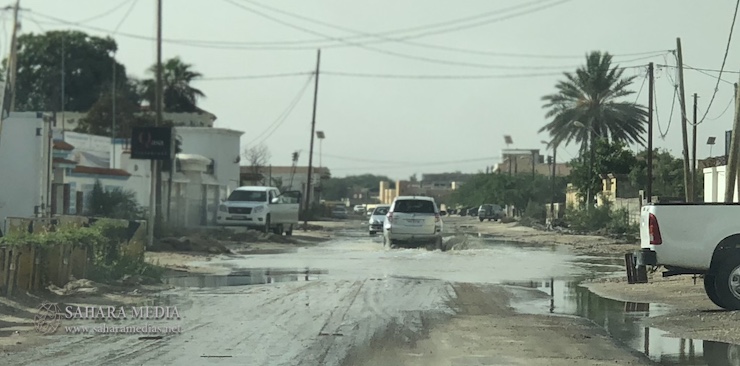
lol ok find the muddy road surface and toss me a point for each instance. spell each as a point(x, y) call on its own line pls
point(351, 302)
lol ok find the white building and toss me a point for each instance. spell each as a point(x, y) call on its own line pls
point(715, 184)
point(46, 171)
point(25, 165)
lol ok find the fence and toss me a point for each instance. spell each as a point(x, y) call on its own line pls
point(29, 268)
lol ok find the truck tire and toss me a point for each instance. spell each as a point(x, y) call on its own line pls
point(727, 283)
point(278, 230)
point(481, 219)
point(710, 281)
point(289, 232)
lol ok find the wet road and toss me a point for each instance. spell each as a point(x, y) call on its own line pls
point(349, 302)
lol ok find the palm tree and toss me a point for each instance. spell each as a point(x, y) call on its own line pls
point(178, 94)
point(589, 105)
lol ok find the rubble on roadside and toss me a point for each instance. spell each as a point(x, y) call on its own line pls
point(75, 287)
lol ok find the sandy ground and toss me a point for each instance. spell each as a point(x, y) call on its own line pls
point(582, 244)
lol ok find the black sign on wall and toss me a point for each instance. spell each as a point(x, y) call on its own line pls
point(151, 143)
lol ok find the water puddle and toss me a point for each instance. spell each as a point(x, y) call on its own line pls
point(623, 321)
point(258, 276)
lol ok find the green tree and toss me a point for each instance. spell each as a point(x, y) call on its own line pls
point(178, 93)
point(114, 204)
point(667, 174)
point(98, 120)
point(609, 157)
point(88, 70)
point(504, 189)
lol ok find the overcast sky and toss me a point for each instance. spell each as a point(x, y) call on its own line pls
point(445, 118)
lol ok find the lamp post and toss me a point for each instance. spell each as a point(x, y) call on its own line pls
point(593, 132)
point(320, 135)
point(710, 142)
point(552, 180)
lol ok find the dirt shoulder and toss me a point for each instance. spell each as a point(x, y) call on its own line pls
point(486, 330)
point(581, 244)
point(691, 315)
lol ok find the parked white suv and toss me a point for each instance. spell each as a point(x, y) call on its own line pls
point(263, 208)
point(413, 220)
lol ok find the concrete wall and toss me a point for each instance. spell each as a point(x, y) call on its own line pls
point(24, 165)
point(714, 184)
point(632, 205)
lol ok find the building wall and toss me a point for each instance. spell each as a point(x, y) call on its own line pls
point(220, 144)
point(714, 184)
point(69, 120)
point(24, 165)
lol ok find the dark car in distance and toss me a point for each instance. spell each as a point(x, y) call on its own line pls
point(490, 212)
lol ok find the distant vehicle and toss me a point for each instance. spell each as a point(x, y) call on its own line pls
point(473, 211)
point(359, 209)
point(695, 239)
point(339, 212)
point(260, 207)
point(413, 220)
point(490, 212)
point(375, 224)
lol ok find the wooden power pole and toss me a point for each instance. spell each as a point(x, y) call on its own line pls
point(693, 152)
point(8, 101)
point(731, 173)
point(651, 86)
point(313, 132)
point(688, 189)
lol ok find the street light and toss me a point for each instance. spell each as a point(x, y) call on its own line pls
point(321, 136)
point(710, 142)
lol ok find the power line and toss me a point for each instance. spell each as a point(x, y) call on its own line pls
point(125, 16)
point(395, 76)
point(673, 105)
point(721, 69)
point(373, 49)
point(105, 13)
point(283, 115)
point(642, 86)
point(408, 165)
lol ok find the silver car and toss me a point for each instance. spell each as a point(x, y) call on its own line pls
point(413, 220)
point(377, 218)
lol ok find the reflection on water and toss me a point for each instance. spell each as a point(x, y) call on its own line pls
point(257, 276)
point(623, 321)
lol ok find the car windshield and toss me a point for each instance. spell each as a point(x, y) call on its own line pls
point(248, 196)
point(381, 211)
point(414, 206)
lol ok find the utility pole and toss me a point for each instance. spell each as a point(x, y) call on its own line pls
point(533, 166)
point(693, 152)
point(113, 113)
point(64, 84)
point(731, 173)
point(651, 86)
point(313, 131)
point(552, 184)
point(688, 189)
point(155, 202)
point(14, 55)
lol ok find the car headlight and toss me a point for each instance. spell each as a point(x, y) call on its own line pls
point(222, 208)
point(258, 209)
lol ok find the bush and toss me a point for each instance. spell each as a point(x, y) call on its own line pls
point(536, 212)
point(602, 220)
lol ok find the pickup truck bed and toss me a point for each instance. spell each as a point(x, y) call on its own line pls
point(695, 238)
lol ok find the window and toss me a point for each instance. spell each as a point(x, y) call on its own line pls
point(380, 211)
point(211, 168)
point(248, 196)
point(272, 195)
point(414, 206)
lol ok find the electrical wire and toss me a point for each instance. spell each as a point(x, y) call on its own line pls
point(405, 40)
point(283, 115)
point(673, 105)
point(721, 69)
point(105, 13)
point(732, 100)
point(642, 86)
point(406, 165)
point(379, 50)
point(704, 72)
point(125, 16)
point(394, 76)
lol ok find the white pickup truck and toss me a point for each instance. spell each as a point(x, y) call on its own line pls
point(263, 208)
point(695, 238)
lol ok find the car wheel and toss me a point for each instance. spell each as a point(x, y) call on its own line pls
point(727, 283)
point(710, 289)
point(481, 219)
point(267, 224)
point(289, 232)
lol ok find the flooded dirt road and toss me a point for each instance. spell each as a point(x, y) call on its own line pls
point(350, 302)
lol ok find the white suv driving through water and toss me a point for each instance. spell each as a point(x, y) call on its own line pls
point(413, 220)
